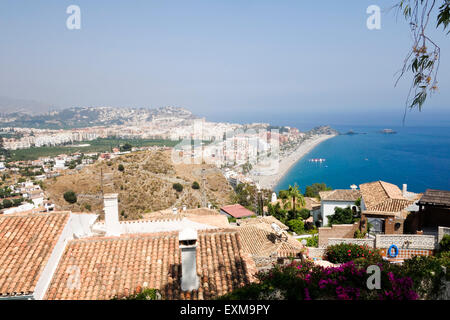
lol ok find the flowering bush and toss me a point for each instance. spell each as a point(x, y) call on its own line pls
point(306, 281)
point(345, 252)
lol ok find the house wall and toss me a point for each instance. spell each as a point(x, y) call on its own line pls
point(336, 231)
point(389, 223)
point(327, 208)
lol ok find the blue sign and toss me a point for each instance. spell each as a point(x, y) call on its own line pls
point(389, 252)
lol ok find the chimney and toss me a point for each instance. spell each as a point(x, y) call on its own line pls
point(405, 189)
point(111, 208)
point(174, 210)
point(188, 247)
point(184, 208)
point(353, 187)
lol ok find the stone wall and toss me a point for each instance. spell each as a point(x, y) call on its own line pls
point(369, 242)
point(406, 241)
point(336, 231)
point(315, 252)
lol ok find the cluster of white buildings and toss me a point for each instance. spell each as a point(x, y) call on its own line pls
point(39, 138)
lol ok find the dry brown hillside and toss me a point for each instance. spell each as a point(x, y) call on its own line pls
point(145, 185)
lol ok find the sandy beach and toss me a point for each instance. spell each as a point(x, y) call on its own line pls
point(270, 181)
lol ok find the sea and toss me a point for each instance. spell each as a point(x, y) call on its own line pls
point(416, 156)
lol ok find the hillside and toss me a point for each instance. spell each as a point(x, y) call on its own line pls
point(80, 117)
point(145, 185)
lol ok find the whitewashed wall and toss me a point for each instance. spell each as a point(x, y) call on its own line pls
point(327, 208)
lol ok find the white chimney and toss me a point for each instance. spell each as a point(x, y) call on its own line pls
point(111, 208)
point(274, 197)
point(188, 247)
point(405, 189)
point(184, 208)
point(209, 205)
point(353, 187)
point(174, 210)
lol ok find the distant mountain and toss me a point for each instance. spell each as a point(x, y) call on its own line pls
point(81, 117)
point(11, 105)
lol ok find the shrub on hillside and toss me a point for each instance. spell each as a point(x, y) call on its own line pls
point(195, 185)
point(121, 168)
point(178, 187)
point(70, 196)
point(345, 252)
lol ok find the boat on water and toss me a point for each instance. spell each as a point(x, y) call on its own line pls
point(388, 131)
point(317, 160)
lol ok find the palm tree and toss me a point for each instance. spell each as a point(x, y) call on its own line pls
point(294, 193)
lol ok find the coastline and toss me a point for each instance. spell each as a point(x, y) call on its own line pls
point(270, 181)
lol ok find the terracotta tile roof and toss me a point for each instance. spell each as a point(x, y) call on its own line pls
point(436, 197)
point(266, 219)
point(259, 240)
point(312, 203)
point(383, 197)
point(118, 265)
point(340, 195)
point(26, 243)
point(200, 215)
point(237, 211)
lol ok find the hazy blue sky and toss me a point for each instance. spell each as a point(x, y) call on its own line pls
point(278, 60)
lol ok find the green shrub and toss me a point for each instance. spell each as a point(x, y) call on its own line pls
point(283, 194)
point(427, 274)
point(178, 187)
point(304, 213)
point(195, 185)
point(345, 252)
point(7, 203)
point(296, 225)
point(359, 235)
point(342, 216)
point(312, 241)
point(121, 168)
point(70, 196)
point(444, 245)
point(146, 294)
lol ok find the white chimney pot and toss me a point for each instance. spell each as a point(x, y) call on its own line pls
point(188, 246)
point(111, 208)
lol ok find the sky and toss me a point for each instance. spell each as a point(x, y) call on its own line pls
point(277, 61)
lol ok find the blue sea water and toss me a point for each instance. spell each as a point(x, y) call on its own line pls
point(419, 157)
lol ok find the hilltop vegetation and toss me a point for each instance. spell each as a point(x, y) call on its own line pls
point(144, 185)
point(97, 145)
